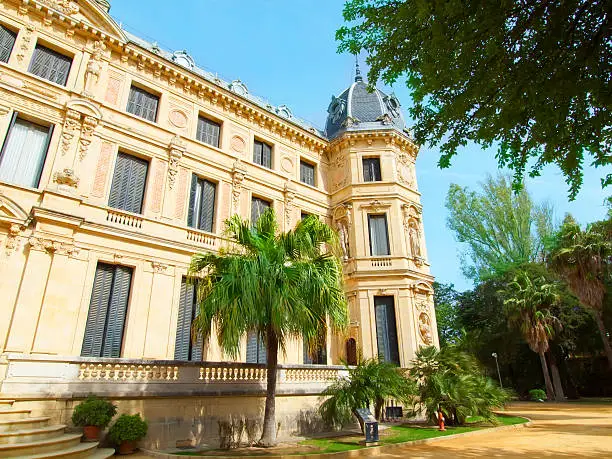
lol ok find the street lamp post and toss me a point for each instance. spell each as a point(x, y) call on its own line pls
point(494, 355)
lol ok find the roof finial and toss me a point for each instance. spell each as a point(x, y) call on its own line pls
point(357, 71)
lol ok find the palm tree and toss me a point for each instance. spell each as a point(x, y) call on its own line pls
point(279, 286)
point(584, 260)
point(528, 302)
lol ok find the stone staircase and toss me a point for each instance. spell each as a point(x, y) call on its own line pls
point(29, 437)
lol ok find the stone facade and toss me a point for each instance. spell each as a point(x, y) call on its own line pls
point(53, 235)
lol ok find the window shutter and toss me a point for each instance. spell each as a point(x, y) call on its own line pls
point(208, 131)
point(258, 207)
point(207, 211)
point(379, 241)
point(7, 41)
point(192, 214)
point(307, 357)
point(117, 308)
point(307, 173)
point(196, 346)
point(183, 325)
point(129, 179)
point(251, 352)
point(257, 152)
point(386, 330)
point(267, 156)
point(50, 65)
point(371, 170)
point(98, 309)
point(261, 352)
point(142, 103)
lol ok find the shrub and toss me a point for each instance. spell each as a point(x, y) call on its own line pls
point(127, 428)
point(93, 412)
point(454, 382)
point(537, 395)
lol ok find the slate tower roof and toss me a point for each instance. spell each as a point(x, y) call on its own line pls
point(358, 109)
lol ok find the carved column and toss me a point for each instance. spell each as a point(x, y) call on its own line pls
point(176, 150)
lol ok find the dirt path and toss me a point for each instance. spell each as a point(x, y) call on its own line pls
point(568, 430)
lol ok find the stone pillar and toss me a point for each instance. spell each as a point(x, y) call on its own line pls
point(158, 335)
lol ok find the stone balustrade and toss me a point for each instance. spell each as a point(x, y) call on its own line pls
point(124, 219)
point(44, 376)
point(201, 238)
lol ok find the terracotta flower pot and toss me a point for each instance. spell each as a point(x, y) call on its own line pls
point(91, 433)
point(127, 447)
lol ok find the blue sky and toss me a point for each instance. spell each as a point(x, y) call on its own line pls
point(285, 51)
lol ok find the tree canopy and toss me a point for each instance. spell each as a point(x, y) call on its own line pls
point(531, 77)
point(500, 228)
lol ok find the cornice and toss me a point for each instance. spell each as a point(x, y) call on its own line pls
point(390, 137)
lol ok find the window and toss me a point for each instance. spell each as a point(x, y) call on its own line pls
point(379, 238)
point(303, 215)
point(7, 40)
point(319, 357)
point(185, 348)
point(307, 173)
point(50, 65)
point(143, 104)
point(256, 349)
point(208, 131)
point(201, 204)
point(371, 170)
point(386, 329)
point(262, 154)
point(24, 152)
point(107, 311)
point(129, 179)
point(258, 207)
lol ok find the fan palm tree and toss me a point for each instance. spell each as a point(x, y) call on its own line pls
point(528, 302)
point(280, 286)
point(584, 260)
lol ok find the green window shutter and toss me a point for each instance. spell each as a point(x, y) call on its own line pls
point(386, 329)
point(258, 152)
point(208, 131)
point(192, 216)
point(98, 308)
point(183, 325)
point(107, 311)
point(143, 104)
point(7, 41)
point(258, 207)
point(129, 179)
point(266, 157)
point(379, 238)
point(50, 65)
point(371, 170)
point(197, 345)
point(256, 349)
point(307, 173)
point(117, 309)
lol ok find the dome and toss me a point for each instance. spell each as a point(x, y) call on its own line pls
point(358, 109)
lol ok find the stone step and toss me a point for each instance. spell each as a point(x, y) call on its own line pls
point(10, 425)
point(6, 404)
point(82, 450)
point(14, 414)
point(49, 445)
point(30, 435)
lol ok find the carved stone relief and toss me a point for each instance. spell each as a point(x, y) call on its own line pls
point(289, 207)
point(425, 328)
point(13, 237)
point(52, 246)
point(176, 148)
point(342, 221)
point(94, 67)
point(238, 175)
point(412, 229)
point(238, 144)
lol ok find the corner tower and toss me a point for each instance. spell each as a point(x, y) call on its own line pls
point(377, 211)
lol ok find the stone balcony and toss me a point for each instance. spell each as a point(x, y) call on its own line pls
point(40, 376)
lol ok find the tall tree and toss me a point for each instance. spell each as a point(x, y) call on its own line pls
point(278, 285)
point(500, 228)
point(584, 260)
point(528, 302)
point(446, 304)
point(530, 76)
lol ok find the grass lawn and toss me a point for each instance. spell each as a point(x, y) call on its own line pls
point(394, 434)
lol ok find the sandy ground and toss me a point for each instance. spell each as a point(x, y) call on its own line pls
point(565, 430)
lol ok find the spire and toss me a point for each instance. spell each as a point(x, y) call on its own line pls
point(357, 71)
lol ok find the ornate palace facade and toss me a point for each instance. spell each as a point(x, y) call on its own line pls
point(120, 160)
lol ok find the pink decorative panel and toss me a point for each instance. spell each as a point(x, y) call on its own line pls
point(158, 185)
point(225, 203)
point(181, 194)
point(113, 88)
point(104, 159)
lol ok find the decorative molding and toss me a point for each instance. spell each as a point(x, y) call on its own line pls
point(52, 246)
point(375, 206)
point(238, 174)
point(67, 178)
point(94, 67)
point(238, 144)
point(342, 218)
point(176, 149)
point(66, 7)
point(158, 267)
point(289, 204)
point(72, 123)
point(26, 39)
point(12, 239)
point(87, 129)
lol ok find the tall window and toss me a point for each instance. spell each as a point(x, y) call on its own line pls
point(143, 104)
point(262, 154)
point(50, 65)
point(107, 311)
point(379, 238)
point(258, 207)
point(307, 173)
point(201, 204)
point(386, 329)
point(7, 41)
point(256, 349)
point(24, 151)
point(129, 179)
point(208, 131)
point(371, 170)
point(185, 348)
point(319, 357)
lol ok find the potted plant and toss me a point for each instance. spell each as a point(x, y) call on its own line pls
point(126, 431)
point(93, 414)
